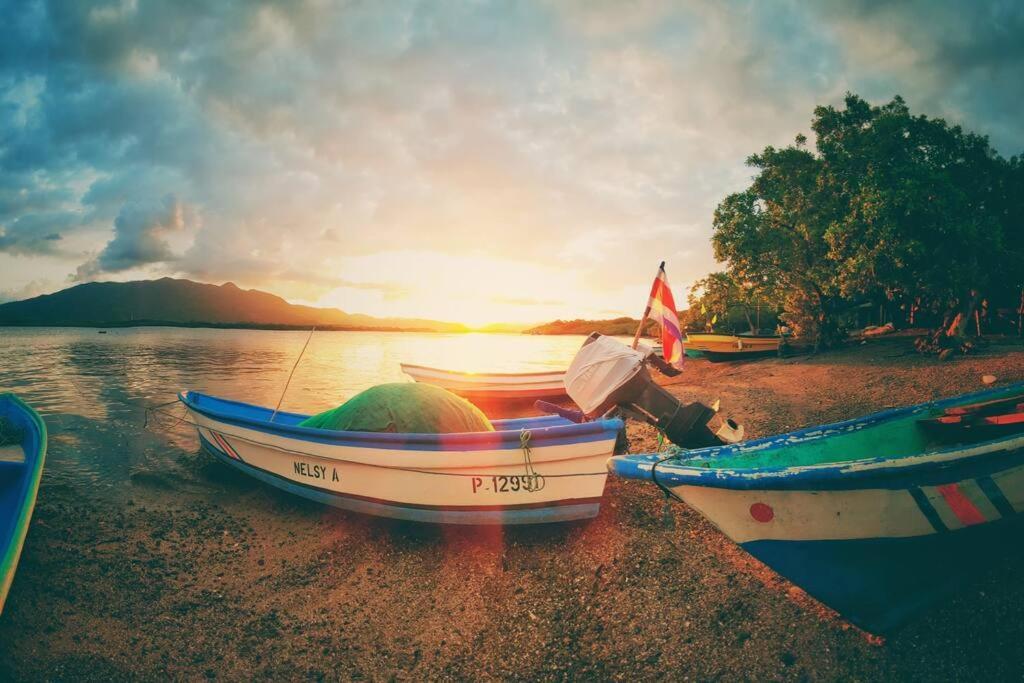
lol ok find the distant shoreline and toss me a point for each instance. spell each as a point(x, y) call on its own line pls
point(236, 326)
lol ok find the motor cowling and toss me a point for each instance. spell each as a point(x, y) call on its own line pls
point(606, 374)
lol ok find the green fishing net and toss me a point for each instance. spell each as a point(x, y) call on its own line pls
point(404, 408)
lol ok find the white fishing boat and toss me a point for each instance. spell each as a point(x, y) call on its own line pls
point(492, 385)
point(528, 471)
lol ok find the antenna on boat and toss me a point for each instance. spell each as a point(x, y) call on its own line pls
point(278, 407)
point(647, 313)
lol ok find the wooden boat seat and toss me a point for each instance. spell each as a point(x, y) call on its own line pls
point(978, 421)
point(12, 454)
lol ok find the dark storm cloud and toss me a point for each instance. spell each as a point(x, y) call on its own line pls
point(962, 60)
point(140, 238)
point(33, 233)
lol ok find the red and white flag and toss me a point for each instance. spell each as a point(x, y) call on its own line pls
point(663, 311)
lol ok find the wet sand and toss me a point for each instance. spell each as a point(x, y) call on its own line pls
point(198, 572)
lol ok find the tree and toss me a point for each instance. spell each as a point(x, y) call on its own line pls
point(919, 206)
point(720, 296)
point(890, 206)
point(774, 233)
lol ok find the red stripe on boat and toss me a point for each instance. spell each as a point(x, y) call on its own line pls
point(225, 445)
point(1015, 418)
point(961, 506)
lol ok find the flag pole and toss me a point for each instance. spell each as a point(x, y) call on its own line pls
point(647, 312)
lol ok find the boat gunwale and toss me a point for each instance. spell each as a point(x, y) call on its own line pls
point(30, 479)
point(555, 435)
point(549, 373)
point(880, 472)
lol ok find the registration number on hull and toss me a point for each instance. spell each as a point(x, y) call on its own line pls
point(524, 483)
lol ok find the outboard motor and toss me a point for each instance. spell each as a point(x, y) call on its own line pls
point(606, 373)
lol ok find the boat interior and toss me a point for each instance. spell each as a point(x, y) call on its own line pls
point(896, 433)
point(16, 442)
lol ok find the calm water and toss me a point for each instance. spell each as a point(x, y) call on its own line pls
point(92, 389)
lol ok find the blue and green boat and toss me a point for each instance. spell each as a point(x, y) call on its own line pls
point(876, 517)
point(22, 452)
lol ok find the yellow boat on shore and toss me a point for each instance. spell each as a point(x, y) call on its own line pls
point(722, 346)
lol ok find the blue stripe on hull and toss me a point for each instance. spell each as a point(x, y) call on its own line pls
point(543, 431)
point(880, 583)
point(533, 515)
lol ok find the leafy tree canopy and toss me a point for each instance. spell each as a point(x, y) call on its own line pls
point(888, 205)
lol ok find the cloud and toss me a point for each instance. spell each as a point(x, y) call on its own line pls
point(140, 238)
point(591, 136)
point(964, 61)
point(526, 301)
point(31, 289)
point(33, 233)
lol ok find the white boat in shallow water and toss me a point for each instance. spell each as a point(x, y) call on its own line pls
point(528, 471)
point(492, 385)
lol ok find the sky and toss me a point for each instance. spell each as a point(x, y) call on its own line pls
point(466, 161)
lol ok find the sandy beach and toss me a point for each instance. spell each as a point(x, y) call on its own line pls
point(201, 572)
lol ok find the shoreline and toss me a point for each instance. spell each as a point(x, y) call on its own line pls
point(241, 326)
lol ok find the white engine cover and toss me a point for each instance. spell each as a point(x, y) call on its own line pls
point(599, 368)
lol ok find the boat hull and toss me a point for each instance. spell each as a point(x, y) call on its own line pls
point(492, 386)
point(723, 346)
point(872, 554)
point(880, 583)
point(446, 479)
point(20, 474)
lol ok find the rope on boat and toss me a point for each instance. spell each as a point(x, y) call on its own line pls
point(538, 479)
point(534, 481)
point(666, 510)
point(278, 406)
point(150, 410)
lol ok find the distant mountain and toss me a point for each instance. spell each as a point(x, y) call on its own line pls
point(184, 302)
point(615, 326)
point(502, 328)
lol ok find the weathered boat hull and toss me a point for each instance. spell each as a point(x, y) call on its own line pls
point(880, 583)
point(481, 478)
point(21, 468)
point(492, 386)
point(876, 539)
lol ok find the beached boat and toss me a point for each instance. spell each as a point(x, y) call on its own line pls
point(21, 467)
point(875, 516)
point(722, 346)
point(528, 471)
point(492, 385)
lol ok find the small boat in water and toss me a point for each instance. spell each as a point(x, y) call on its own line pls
point(725, 346)
point(528, 471)
point(874, 517)
point(22, 453)
point(492, 386)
